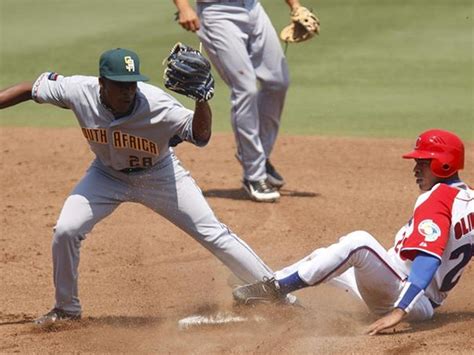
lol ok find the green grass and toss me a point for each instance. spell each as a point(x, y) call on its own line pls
point(379, 68)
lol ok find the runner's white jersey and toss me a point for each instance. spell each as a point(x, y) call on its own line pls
point(442, 226)
point(140, 139)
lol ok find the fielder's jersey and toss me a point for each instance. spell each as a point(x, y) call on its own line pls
point(442, 226)
point(140, 139)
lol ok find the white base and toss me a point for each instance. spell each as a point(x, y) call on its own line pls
point(218, 318)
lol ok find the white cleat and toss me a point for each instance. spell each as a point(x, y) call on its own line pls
point(55, 316)
point(260, 191)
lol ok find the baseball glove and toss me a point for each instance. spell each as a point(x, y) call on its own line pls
point(188, 73)
point(304, 25)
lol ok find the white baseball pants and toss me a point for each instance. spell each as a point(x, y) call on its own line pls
point(360, 265)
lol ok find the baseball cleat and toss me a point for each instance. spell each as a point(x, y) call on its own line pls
point(273, 177)
point(260, 191)
point(266, 291)
point(54, 316)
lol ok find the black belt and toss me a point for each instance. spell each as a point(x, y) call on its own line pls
point(132, 170)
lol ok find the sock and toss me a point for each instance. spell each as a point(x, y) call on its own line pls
point(291, 283)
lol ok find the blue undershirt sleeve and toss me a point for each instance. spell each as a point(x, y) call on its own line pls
point(422, 270)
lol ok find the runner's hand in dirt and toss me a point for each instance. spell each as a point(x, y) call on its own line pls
point(388, 321)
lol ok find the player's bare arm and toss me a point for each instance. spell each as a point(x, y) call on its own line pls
point(15, 94)
point(187, 17)
point(388, 321)
point(293, 4)
point(202, 123)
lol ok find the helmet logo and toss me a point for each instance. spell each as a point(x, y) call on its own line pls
point(437, 140)
point(418, 142)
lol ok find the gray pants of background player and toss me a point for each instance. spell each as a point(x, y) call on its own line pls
point(244, 48)
point(166, 188)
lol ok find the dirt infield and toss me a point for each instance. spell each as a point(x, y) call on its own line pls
point(139, 275)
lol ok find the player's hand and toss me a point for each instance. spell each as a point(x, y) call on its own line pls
point(188, 19)
point(389, 320)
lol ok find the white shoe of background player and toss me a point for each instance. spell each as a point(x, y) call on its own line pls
point(261, 191)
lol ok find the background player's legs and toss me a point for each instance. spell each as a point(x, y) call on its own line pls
point(226, 42)
point(174, 195)
point(272, 72)
point(94, 198)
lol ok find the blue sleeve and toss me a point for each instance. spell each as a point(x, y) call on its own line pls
point(422, 270)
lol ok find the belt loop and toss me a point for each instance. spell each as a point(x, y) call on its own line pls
point(132, 170)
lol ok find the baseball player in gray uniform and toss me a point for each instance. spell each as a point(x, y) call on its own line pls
point(244, 48)
point(128, 125)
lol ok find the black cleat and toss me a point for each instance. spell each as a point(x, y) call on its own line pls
point(266, 291)
point(273, 177)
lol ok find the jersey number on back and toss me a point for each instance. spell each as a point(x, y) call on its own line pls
point(449, 280)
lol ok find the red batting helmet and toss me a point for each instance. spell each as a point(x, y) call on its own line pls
point(443, 148)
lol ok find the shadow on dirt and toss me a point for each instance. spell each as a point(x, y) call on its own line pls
point(114, 321)
point(20, 321)
point(240, 194)
point(15, 318)
point(294, 193)
point(124, 322)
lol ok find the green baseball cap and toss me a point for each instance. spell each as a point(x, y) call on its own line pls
point(120, 65)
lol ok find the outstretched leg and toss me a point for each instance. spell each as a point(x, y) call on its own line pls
point(358, 263)
point(375, 279)
point(95, 197)
point(173, 193)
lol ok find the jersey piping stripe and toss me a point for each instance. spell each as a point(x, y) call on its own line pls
point(350, 255)
point(422, 250)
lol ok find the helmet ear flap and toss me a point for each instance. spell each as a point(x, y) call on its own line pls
point(441, 169)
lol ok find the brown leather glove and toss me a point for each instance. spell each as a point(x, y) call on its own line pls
point(304, 25)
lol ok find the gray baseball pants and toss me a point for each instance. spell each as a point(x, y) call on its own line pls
point(166, 188)
point(244, 48)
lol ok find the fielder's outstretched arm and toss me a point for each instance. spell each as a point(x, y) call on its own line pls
point(202, 123)
point(15, 94)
